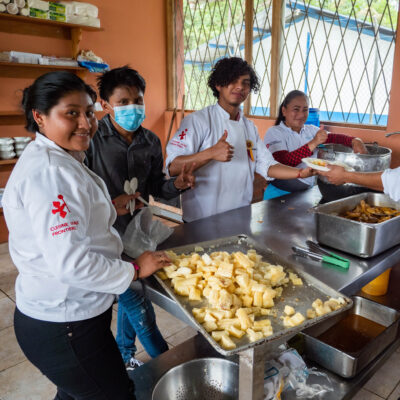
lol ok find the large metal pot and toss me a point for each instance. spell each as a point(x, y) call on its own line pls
point(377, 159)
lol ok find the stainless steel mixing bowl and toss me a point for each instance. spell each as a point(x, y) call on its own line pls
point(204, 378)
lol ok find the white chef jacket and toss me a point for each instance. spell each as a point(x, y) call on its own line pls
point(61, 240)
point(220, 186)
point(281, 137)
point(391, 183)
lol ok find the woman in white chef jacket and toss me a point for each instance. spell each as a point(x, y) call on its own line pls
point(387, 181)
point(61, 240)
point(291, 139)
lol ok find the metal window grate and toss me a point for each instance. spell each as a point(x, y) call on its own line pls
point(212, 29)
point(339, 52)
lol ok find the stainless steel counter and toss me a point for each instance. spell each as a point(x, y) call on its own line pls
point(279, 224)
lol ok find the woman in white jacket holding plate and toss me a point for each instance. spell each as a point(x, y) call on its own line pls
point(67, 253)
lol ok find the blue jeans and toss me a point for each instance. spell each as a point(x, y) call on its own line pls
point(136, 317)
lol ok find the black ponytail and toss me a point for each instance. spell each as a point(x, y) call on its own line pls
point(289, 97)
point(46, 92)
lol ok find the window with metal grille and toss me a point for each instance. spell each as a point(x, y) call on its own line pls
point(340, 52)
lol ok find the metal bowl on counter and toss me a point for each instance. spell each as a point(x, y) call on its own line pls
point(204, 378)
point(377, 159)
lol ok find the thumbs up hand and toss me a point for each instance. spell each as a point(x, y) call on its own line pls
point(222, 150)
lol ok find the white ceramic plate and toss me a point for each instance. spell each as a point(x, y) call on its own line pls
point(309, 161)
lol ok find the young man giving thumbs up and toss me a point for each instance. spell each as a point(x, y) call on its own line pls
point(225, 146)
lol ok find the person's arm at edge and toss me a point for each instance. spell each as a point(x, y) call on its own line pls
point(338, 176)
point(280, 171)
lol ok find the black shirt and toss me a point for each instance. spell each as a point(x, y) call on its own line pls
point(115, 161)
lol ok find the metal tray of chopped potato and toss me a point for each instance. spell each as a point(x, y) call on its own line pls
point(300, 297)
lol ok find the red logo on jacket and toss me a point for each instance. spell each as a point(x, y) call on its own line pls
point(59, 207)
point(182, 135)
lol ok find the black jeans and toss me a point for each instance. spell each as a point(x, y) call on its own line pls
point(81, 358)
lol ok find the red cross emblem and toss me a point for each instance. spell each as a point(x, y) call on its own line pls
point(182, 135)
point(59, 208)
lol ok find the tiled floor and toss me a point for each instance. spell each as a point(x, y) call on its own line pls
point(20, 380)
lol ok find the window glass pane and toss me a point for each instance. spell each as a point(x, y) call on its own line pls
point(212, 29)
point(341, 54)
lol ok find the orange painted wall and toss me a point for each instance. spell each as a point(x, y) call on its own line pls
point(134, 34)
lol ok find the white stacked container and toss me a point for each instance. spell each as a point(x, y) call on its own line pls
point(20, 143)
point(7, 148)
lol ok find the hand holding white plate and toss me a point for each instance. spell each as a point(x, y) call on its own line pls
point(323, 165)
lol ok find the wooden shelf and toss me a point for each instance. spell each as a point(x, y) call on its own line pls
point(8, 162)
point(19, 24)
point(23, 70)
point(13, 117)
point(45, 27)
point(40, 66)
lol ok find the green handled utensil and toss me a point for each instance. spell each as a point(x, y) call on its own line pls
point(315, 247)
point(339, 262)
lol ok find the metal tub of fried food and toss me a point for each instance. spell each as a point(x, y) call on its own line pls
point(365, 224)
point(240, 294)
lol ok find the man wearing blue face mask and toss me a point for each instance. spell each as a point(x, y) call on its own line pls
point(121, 150)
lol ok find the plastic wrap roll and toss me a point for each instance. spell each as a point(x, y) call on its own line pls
point(12, 8)
point(20, 3)
point(24, 11)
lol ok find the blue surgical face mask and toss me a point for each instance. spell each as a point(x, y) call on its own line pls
point(129, 117)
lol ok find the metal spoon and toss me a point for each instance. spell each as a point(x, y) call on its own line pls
point(392, 133)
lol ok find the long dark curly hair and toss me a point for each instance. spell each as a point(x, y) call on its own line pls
point(227, 70)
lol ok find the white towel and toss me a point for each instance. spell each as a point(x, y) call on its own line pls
point(86, 9)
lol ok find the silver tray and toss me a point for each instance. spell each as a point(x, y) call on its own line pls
point(299, 297)
point(358, 238)
point(346, 364)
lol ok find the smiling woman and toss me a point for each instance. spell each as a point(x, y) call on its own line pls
point(64, 113)
point(291, 140)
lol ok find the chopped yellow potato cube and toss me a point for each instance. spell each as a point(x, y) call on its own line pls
point(227, 343)
point(225, 269)
point(254, 336)
point(311, 313)
point(162, 275)
point(210, 326)
point(194, 294)
point(298, 319)
point(245, 321)
point(289, 310)
point(233, 331)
